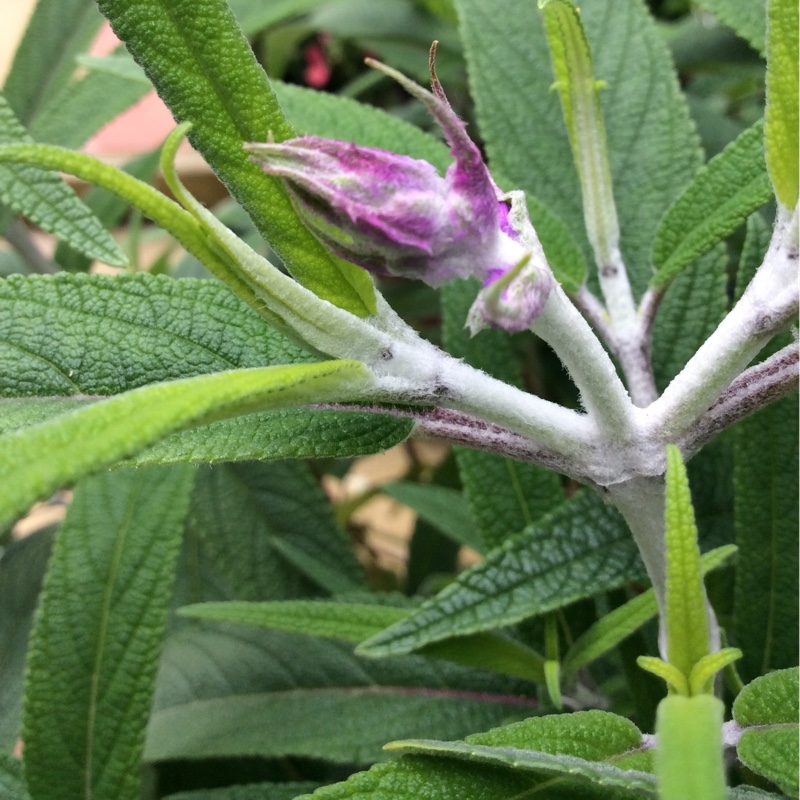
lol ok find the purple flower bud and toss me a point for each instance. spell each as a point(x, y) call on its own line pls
point(395, 215)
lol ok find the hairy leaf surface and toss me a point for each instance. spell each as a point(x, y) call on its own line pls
point(95, 645)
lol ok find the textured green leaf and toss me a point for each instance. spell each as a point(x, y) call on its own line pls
point(444, 508)
point(39, 459)
point(98, 335)
point(580, 549)
point(504, 495)
point(782, 138)
point(769, 708)
point(45, 199)
point(693, 307)
point(718, 201)
point(582, 741)
point(689, 761)
point(351, 622)
point(766, 525)
point(98, 633)
point(630, 781)
point(236, 691)
point(355, 622)
point(748, 19)
point(240, 512)
point(686, 616)
point(22, 570)
point(653, 149)
point(620, 623)
point(287, 433)
point(203, 68)
point(249, 791)
point(62, 29)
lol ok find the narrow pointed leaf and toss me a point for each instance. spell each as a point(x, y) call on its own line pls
point(617, 625)
point(62, 29)
point(203, 68)
point(580, 549)
point(97, 638)
point(243, 514)
point(724, 193)
point(783, 86)
point(579, 91)
point(652, 145)
point(39, 459)
point(355, 622)
point(686, 622)
point(46, 200)
point(227, 691)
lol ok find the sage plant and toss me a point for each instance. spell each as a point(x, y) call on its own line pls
point(241, 369)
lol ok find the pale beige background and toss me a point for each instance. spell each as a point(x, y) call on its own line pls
point(13, 17)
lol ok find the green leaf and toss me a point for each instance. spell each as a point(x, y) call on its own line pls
point(443, 507)
point(718, 201)
point(100, 335)
point(37, 460)
point(249, 791)
point(749, 19)
point(62, 29)
point(203, 68)
point(355, 622)
point(782, 139)
point(504, 495)
point(689, 754)
point(620, 623)
point(84, 106)
point(631, 782)
point(45, 199)
point(565, 757)
point(693, 307)
point(286, 433)
point(350, 622)
point(580, 549)
point(580, 101)
point(227, 692)
point(242, 512)
point(335, 117)
point(12, 786)
point(685, 605)
point(766, 526)
point(768, 709)
point(652, 145)
point(98, 633)
point(22, 570)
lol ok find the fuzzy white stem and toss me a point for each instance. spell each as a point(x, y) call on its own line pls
point(769, 303)
point(563, 327)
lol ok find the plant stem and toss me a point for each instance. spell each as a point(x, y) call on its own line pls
point(563, 327)
point(768, 305)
